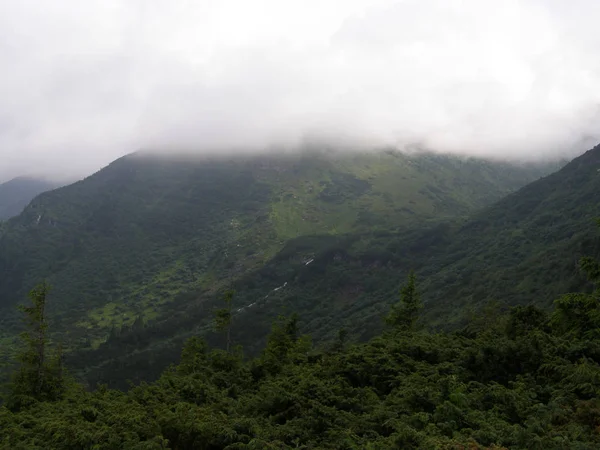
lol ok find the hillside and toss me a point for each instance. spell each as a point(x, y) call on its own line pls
point(16, 194)
point(521, 380)
point(522, 249)
point(147, 238)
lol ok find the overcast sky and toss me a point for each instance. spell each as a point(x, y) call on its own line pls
point(85, 81)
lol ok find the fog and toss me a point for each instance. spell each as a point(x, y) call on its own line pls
point(84, 82)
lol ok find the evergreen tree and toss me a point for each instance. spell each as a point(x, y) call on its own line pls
point(404, 315)
point(38, 377)
point(224, 318)
point(342, 338)
point(291, 327)
point(284, 344)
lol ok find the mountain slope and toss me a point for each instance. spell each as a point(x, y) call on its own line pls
point(18, 192)
point(130, 241)
point(522, 249)
point(527, 246)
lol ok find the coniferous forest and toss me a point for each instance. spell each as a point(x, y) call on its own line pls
point(524, 379)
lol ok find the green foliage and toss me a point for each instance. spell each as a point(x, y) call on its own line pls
point(39, 377)
point(578, 314)
point(283, 345)
point(403, 316)
point(528, 384)
point(341, 341)
point(592, 268)
point(224, 317)
point(523, 320)
point(534, 390)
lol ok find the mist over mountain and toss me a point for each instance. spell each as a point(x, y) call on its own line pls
point(91, 81)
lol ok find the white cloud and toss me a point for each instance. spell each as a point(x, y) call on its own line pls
point(85, 82)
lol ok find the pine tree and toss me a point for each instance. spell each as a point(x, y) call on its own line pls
point(404, 315)
point(284, 344)
point(342, 338)
point(224, 317)
point(38, 377)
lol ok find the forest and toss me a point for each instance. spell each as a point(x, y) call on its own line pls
point(526, 378)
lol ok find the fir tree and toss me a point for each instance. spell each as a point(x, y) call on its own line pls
point(38, 377)
point(224, 318)
point(404, 315)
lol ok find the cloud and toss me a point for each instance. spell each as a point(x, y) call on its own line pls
point(85, 82)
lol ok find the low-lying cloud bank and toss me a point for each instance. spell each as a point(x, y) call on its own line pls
point(86, 82)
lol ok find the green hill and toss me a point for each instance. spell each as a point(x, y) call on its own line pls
point(150, 238)
point(526, 247)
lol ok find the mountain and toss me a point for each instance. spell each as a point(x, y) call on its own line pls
point(18, 192)
point(523, 249)
point(147, 239)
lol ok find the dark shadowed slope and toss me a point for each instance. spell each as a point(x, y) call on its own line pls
point(525, 248)
point(16, 194)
